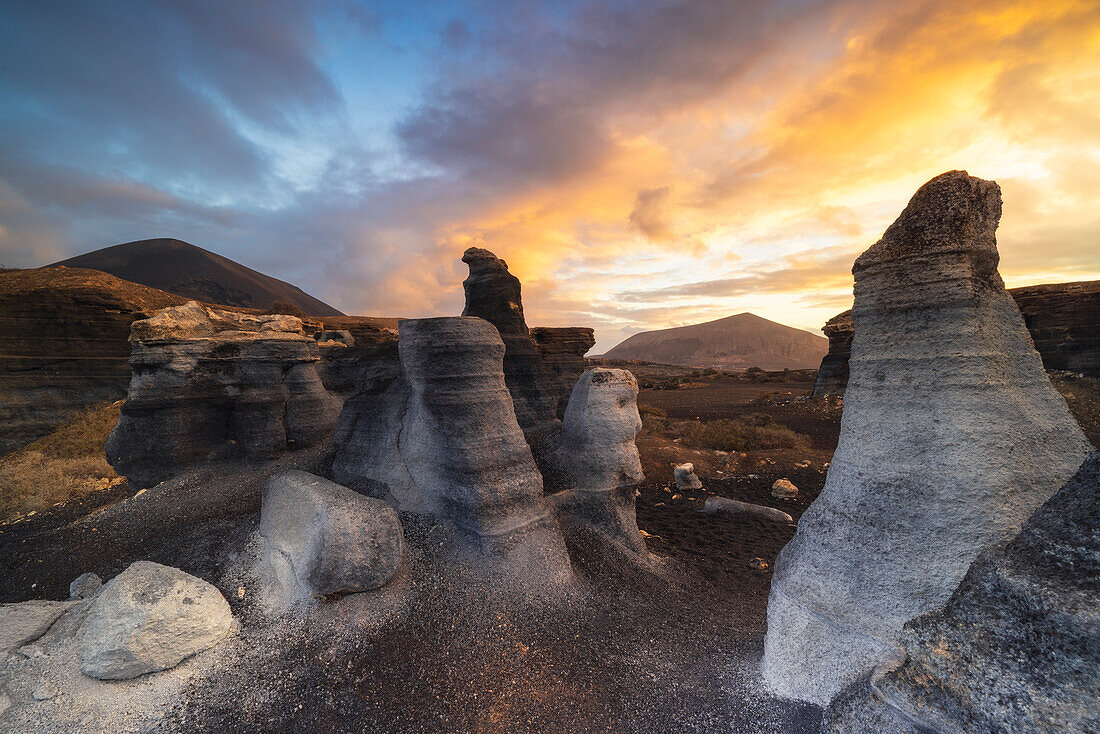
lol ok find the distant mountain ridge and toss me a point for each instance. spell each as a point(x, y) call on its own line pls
point(178, 267)
point(733, 343)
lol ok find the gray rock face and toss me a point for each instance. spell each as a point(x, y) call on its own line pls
point(563, 349)
point(27, 621)
point(599, 456)
point(492, 293)
point(336, 540)
point(832, 375)
point(1016, 649)
point(442, 438)
point(205, 379)
point(149, 618)
point(951, 437)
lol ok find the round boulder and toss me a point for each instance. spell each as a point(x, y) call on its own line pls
point(150, 618)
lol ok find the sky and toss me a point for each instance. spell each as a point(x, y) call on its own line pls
point(638, 165)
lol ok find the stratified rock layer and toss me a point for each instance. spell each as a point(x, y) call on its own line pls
point(1062, 318)
point(832, 375)
point(1016, 649)
point(493, 294)
point(563, 350)
point(204, 380)
point(63, 345)
point(442, 438)
point(951, 437)
point(599, 456)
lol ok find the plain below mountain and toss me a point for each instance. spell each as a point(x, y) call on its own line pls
point(181, 268)
point(735, 342)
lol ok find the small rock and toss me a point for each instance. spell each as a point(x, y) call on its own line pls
point(685, 477)
point(784, 489)
point(677, 496)
point(758, 564)
point(84, 586)
point(149, 618)
point(44, 692)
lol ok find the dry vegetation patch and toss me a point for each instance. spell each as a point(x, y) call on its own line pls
point(65, 464)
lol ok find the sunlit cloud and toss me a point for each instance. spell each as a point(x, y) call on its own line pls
point(638, 166)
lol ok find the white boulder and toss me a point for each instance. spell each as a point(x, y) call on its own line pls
point(150, 618)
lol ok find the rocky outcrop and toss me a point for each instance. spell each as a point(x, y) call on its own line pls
point(563, 350)
point(63, 345)
point(599, 457)
point(354, 351)
point(1062, 318)
point(1064, 321)
point(205, 381)
point(952, 436)
point(150, 618)
point(493, 294)
point(442, 438)
point(1016, 649)
point(832, 375)
point(334, 539)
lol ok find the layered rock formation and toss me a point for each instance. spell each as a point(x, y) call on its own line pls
point(204, 380)
point(443, 438)
point(952, 436)
point(1016, 649)
point(1064, 321)
point(832, 375)
point(599, 456)
point(1062, 318)
point(493, 294)
point(563, 350)
point(354, 350)
point(63, 345)
point(333, 539)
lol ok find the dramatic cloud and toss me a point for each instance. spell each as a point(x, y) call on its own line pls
point(638, 165)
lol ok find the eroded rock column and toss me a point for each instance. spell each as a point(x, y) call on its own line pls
point(951, 437)
point(1018, 646)
point(600, 457)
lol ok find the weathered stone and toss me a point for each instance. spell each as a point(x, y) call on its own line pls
point(599, 458)
point(563, 350)
point(493, 294)
point(63, 347)
point(1016, 649)
point(723, 504)
point(150, 618)
point(336, 540)
point(832, 375)
point(685, 477)
point(1062, 318)
point(204, 380)
point(84, 585)
point(952, 436)
point(27, 621)
point(442, 438)
point(783, 489)
point(354, 350)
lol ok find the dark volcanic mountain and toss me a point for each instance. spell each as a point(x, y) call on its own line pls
point(735, 342)
point(186, 270)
